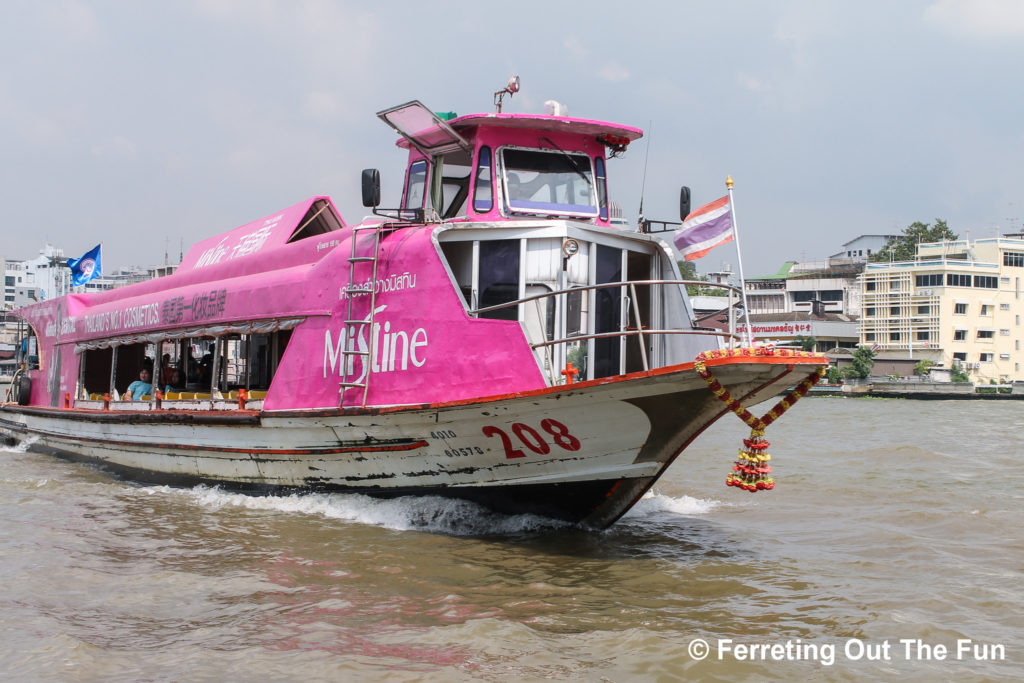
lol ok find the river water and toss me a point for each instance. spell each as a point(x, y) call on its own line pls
point(894, 532)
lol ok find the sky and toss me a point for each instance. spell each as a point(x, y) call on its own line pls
point(147, 125)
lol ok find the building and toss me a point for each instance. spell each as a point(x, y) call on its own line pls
point(820, 299)
point(44, 277)
point(127, 276)
point(959, 303)
point(798, 302)
point(861, 248)
point(825, 286)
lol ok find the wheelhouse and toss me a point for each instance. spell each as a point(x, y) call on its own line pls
point(527, 236)
point(505, 166)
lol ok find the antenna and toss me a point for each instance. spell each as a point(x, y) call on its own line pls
point(643, 178)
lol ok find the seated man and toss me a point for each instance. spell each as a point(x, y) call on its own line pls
point(140, 387)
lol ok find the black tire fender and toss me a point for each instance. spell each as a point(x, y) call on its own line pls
point(23, 390)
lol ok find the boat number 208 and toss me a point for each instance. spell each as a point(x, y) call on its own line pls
point(527, 436)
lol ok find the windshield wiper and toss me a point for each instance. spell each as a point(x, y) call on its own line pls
point(572, 162)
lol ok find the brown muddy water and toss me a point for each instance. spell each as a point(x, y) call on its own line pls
point(891, 547)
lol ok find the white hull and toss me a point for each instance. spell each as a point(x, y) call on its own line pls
point(584, 452)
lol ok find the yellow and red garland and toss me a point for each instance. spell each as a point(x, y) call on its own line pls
point(751, 471)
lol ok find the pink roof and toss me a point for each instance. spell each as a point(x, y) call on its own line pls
point(562, 124)
point(541, 122)
point(258, 237)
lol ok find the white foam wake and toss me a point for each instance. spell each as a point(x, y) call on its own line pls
point(653, 504)
point(424, 513)
point(22, 446)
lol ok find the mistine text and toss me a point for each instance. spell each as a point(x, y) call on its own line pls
point(390, 348)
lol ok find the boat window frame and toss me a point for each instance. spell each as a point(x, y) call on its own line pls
point(409, 212)
point(446, 201)
point(505, 204)
point(31, 338)
point(483, 181)
point(601, 185)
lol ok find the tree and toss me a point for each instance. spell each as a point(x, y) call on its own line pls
point(904, 247)
point(863, 361)
point(834, 375)
point(806, 343)
point(688, 271)
point(958, 374)
point(923, 367)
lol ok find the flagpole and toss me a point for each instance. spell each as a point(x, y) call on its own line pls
point(739, 258)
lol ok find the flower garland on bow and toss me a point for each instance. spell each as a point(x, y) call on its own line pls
point(751, 471)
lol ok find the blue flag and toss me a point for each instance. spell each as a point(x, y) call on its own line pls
point(86, 268)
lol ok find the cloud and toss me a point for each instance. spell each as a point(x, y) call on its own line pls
point(325, 106)
point(72, 20)
point(752, 83)
point(978, 18)
point(117, 147)
point(574, 47)
point(613, 72)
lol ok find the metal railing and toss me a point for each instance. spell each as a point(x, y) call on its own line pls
point(625, 331)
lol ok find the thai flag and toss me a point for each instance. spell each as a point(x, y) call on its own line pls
point(86, 268)
point(704, 229)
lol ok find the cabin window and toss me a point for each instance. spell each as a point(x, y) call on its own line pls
point(415, 189)
point(602, 188)
point(188, 368)
point(27, 352)
point(129, 361)
point(483, 194)
point(499, 277)
point(453, 170)
point(94, 373)
point(459, 256)
point(575, 326)
point(608, 312)
point(249, 362)
point(638, 267)
point(548, 183)
point(170, 376)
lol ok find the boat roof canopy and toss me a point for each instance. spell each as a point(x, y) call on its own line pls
point(312, 217)
point(557, 124)
point(428, 133)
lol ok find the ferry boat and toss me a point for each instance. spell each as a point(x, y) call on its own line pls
point(498, 336)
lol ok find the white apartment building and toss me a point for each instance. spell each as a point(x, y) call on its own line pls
point(28, 281)
point(822, 286)
point(863, 247)
point(958, 303)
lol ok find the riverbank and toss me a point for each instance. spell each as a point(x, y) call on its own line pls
point(920, 390)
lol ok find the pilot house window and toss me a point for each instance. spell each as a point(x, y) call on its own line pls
point(483, 195)
point(548, 183)
point(499, 277)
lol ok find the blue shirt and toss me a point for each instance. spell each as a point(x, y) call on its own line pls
point(138, 389)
